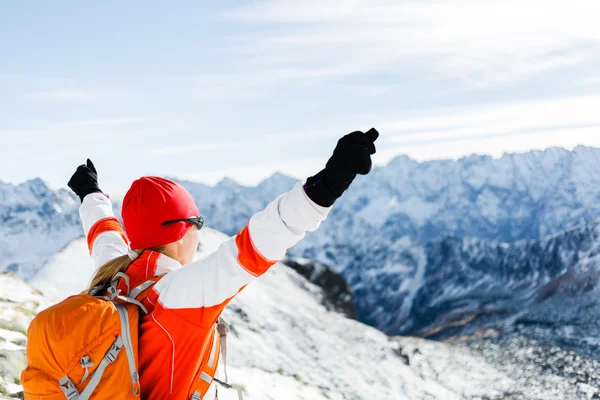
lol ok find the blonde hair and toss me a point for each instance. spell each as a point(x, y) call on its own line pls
point(107, 272)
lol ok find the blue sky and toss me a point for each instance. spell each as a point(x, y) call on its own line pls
point(201, 90)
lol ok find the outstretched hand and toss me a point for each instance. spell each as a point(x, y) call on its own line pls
point(351, 156)
point(353, 152)
point(85, 180)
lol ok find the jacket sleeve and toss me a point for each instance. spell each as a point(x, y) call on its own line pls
point(104, 233)
point(200, 290)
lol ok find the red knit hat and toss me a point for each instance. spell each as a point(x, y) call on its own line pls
point(149, 202)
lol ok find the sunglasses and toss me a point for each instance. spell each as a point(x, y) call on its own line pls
point(198, 221)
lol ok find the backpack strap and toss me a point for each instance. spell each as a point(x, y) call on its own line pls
point(140, 288)
point(125, 331)
point(114, 293)
point(228, 386)
point(223, 329)
point(196, 396)
point(69, 389)
point(134, 297)
point(122, 341)
point(115, 281)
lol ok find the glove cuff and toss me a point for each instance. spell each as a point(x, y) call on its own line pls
point(328, 185)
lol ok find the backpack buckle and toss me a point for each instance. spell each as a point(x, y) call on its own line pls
point(113, 352)
point(68, 388)
point(112, 292)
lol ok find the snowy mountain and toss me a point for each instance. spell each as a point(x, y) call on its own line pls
point(454, 286)
point(285, 344)
point(35, 223)
point(519, 196)
point(337, 294)
point(422, 246)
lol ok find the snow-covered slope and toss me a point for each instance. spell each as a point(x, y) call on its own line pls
point(35, 223)
point(66, 273)
point(284, 344)
point(419, 244)
point(19, 303)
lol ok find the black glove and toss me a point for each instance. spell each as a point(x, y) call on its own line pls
point(351, 156)
point(85, 180)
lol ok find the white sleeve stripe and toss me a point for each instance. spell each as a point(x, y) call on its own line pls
point(107, 246)
point(205, 283)
point(95, 207)
point(284, 222)
point(108, 238)
point(256, 250)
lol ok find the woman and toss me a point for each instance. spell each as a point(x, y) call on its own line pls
point(177, 340)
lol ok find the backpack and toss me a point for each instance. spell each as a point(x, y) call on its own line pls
point(86, 344)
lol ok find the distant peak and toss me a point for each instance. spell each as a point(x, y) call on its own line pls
point(278, 181)
point(227, 182)
point(34, 181)
point(580, 148)
point(477, 157)
point(36, 185)
point(278, 176)
point(548, 150)
point(402, 159)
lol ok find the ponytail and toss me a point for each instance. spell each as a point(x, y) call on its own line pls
point(107, 272)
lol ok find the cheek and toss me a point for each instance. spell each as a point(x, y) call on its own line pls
point(191, 242)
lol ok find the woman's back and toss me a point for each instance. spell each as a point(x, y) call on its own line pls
point(172, 351)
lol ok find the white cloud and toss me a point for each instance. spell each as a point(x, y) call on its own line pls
point(73, 131)
point(67, 95)
point(102, 122)
point(453, 133)
point(480, 43)
point(502, 118)
point(448, 133)
point(493, 130)
point(494, 146)
point(280, 139)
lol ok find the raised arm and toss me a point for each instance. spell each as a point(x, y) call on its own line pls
point(104, 233)
point(199, 291)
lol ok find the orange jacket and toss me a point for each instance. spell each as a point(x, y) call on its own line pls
point(178, 335)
